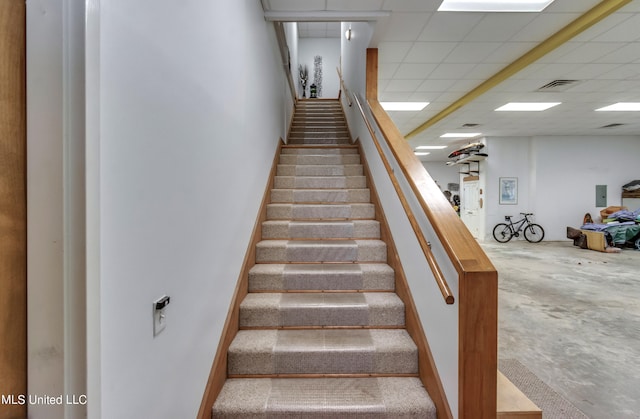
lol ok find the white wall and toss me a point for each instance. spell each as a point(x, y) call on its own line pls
point(443, 174)
point(329, 49)
point(56, 226)
point(45, 231)
point(184, 113)
point(557, 177)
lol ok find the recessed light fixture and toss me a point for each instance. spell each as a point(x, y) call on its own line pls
point(460, 134)
point(528, 106)
point(403, 106)
point(421, 153)
point(622, 106)
point(494, 5)
point(431, 147)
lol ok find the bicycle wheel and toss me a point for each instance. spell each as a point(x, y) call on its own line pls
point(534, 233)
point(502, 232)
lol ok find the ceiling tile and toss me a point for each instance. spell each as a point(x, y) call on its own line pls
point(591, 71)
point(496, 27)
point(447, 71)
point(393, 52)
point(510, 52)
point(472, 52)
point(589, 52)
point(571, 6)
point(626, 71)
point(543, 26)
point(414, 71)
point(625, 31)
point(387, 70)
point(405, 26)
point(435, 85)
point(630, 52)
point(402, 85)
point(429, 52)
point(387, 96)
point(354, 5)
point(449, 26)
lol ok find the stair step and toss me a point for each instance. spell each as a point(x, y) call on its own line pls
point(312, 277)
point(319, 119)
point(322, 398)
point(286, 211)
point(320, 134)
point(316, 141)
point(320, 170)
point(319, 182)
point(319, 159)
point(320, 151)
point(354, 229)
point(299, 196)
point(321, 309)
point(323, 351)
point(283, 251)
point(315, 123)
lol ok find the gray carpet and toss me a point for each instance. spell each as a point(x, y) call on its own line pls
point(553, 405)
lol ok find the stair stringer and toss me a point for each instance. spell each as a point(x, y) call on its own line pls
point(218, 374)
point(428, 371)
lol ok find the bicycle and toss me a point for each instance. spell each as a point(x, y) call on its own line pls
point(504, 232)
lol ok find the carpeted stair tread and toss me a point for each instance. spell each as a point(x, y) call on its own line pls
point(312, 277)
point(287, 211)
point(321, 309)
point(323, 398)
point(323, 351)
point(319, 182)
point(285, 251)
point(329, 196)
point(319, 170)
point(319, 158)
point(323, 150)
point(352, 229)
point(326, 140)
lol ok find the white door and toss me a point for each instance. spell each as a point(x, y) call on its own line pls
point(470, 206)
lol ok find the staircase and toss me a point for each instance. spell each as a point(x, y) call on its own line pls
point(321, 329)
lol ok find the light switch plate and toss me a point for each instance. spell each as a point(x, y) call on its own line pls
point(601, 196)
point(160, 315)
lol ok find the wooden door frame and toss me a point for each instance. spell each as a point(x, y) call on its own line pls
point(13, 209)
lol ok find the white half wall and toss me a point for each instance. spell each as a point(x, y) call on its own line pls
point(439, 320)
point(185, 111)
point(329, 50)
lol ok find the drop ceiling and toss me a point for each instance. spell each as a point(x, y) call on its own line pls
point(438, 57)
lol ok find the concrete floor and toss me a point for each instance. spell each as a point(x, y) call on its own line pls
point(572, 317)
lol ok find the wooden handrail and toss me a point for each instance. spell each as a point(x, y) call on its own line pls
point(344, 88)
point(284, 52)
point(478, 279)
point(424, 244)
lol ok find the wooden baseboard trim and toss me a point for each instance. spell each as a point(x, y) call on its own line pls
point(323, 328)
point(321, 375)
point(218, 373)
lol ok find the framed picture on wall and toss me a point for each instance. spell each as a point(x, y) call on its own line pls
point(508, 190)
